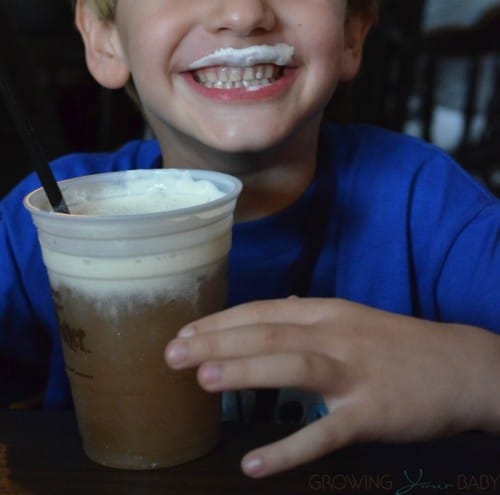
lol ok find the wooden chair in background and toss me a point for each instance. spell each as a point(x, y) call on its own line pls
point(381, 92)
point(480, 156)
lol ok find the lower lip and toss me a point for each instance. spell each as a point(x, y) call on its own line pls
point(270, 91)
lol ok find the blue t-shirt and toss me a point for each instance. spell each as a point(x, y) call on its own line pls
point(405, 230)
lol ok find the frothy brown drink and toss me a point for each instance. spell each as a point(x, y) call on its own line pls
point(122, 292)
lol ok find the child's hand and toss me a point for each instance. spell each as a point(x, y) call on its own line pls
point(383, 376)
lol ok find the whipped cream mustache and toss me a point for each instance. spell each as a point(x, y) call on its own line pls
point(280, 54)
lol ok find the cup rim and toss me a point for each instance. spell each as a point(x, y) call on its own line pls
point(197, 174)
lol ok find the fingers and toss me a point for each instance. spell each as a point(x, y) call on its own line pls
point(300, 311)
point(307, 371)
point(247, 341)
point(315, 440)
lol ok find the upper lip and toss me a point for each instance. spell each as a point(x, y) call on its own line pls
point(279, 54)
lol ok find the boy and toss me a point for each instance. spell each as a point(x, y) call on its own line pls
point(375, 258)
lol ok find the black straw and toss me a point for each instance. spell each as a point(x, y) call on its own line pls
point(32, 143)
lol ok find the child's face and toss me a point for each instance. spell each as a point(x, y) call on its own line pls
point(158, 40)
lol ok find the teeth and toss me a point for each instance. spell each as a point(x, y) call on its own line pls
point(235, 75)
point(238, 77)
point(211, 77)
point(222, 74)
point(248, 75)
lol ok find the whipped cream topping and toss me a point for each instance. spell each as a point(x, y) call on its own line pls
point(280, 54)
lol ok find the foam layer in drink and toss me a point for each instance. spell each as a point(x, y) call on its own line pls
point(138, 264)
point(175, 191)
point(108, 269)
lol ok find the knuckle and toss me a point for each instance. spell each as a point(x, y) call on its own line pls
point(210, 347)
point(259, 309)
point(314, 371)
point(235, 373)
point(338, 433)
point(283, 454)
point(306, 369)
point(273, 338)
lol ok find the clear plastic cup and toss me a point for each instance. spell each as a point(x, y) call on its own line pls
point(123, 285)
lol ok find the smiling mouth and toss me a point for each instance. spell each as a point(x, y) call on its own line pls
point(231, 77)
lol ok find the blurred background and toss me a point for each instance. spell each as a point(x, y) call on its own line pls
point(432, 69)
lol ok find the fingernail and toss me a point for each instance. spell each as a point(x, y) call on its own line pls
point(253, 466)
point(187, 332)
point(177, 353)
point(211, 374)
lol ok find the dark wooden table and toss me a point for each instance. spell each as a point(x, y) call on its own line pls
point(41, 454)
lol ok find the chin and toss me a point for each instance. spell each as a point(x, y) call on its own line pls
point(238, 147)
point(246, 141)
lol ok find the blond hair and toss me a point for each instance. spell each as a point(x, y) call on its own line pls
point(105, 9)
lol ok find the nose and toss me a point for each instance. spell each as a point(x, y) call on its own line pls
point(242, 17)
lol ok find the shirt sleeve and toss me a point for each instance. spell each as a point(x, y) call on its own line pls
point(456, 245)
point(469, 285)
point(26, 310)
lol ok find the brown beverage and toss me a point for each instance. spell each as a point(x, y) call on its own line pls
point(114, 360)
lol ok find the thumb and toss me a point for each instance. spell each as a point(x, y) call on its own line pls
point(332, 432)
